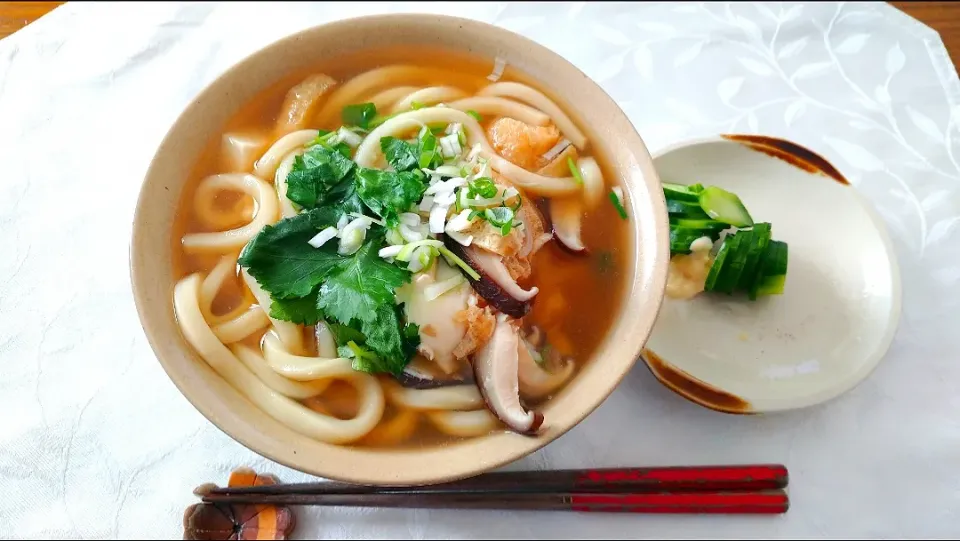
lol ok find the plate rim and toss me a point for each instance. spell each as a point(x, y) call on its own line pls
point(698, 389)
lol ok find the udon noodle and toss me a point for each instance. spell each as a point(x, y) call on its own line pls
point(385, 254)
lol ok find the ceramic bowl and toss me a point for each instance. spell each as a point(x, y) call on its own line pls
point(841, 302)
point(611, 134)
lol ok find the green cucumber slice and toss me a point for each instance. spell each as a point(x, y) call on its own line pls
point(771, 272)
point(772, 285)
point(686, 209)
point(777, 266)
point(682, 237)
point(761, 238)
point(724, 206)
point(680, 192)
point(697, 224)
point(733, 268)
point(718, 264)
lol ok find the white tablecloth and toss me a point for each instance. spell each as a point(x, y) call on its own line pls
point(95, 441)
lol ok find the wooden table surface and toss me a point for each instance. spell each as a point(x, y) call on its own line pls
point(944, 17)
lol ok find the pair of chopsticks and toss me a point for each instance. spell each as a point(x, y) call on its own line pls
point(743, 489)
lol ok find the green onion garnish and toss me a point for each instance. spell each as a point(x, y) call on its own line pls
point(618, 205)
point(380, 119)
point(516, 207)
point(454, 260)
point(429, 150)
point(574, 170)
point(414, 105)
point(323, 138)
point(475, 115)
point(483, 186)
point(359, 114)
point(501, 217)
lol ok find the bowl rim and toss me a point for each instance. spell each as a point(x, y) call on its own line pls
point(483, 453)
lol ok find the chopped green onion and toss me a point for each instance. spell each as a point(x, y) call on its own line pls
point(355, 351)
point(414, 105)
point(408, 249)
point(323, 138)
point(429, 150)
point(433, 291)
point(615, 197)
point(516, 207)
point(359, 114)
point(475, 115)
point(483, 186)
point(574, 170)
point(501, 217)
point(454, 260)
point(380, 119)
point(498, 216)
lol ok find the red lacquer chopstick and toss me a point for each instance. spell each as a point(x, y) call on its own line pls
point(754, 502)
point(603, 480)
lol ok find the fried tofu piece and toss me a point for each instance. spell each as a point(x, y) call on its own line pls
point(521, 143)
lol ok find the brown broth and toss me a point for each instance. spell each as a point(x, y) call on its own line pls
point(579, 294)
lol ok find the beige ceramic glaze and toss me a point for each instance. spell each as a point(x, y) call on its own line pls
point(611, 134)
point(841, 302)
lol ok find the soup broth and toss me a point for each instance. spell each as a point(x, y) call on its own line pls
point(546, 293)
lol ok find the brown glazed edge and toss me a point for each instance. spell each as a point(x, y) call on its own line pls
point(693, 389)
point(790, 152)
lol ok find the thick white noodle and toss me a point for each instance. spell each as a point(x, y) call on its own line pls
point(186, 302)
point(457, 397)
point(592, 182)
point(280, 181)
point(226, 241)
point(267, 165)
point(385, 99)
point(431, 95)
point(464, 424)
point(369, 153)
point(244, 325)
point(362, 85)
point(502, 107)
point(326, 345)
point(253, 359)
point(537, 99)
point(301, 368)
point(290, 333)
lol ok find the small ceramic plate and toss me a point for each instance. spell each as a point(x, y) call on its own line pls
point(841, 302)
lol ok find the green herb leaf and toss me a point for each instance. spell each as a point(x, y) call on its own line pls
point(475, 115)
point(389, 193)
point(414, 105)
point(346, 333)
point(360, 114)
point(401, 155)
point(360, 283)
point(315, 173)
point(389, 340)
point(343, 198)
point(379, 354)
point(302, 310)
point(281, 260)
